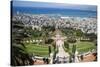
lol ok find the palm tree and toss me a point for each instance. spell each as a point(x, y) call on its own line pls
point(19, 55)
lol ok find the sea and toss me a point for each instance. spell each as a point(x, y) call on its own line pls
point(55, 11)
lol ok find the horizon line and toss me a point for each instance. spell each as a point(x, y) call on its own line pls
point(54, 5)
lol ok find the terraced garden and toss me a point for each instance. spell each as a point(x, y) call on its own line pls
point(81, 47)
point(38, 50)
point(85, 46)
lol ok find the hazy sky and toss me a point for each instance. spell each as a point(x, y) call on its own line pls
point(53, 5)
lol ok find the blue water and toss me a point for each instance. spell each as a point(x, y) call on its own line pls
point(62, 12)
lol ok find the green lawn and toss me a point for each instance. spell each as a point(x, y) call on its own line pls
point(85, 46)
point(38, 50)
point(81, 47)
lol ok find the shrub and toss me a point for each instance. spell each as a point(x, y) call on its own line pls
point(66, 45)
point(71, 40)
